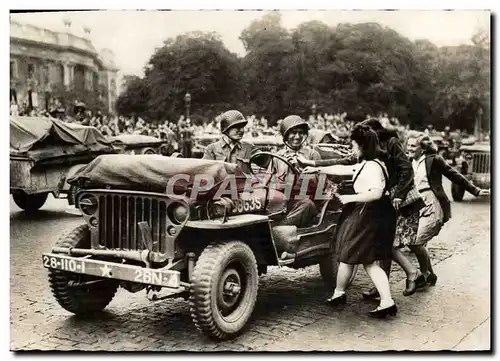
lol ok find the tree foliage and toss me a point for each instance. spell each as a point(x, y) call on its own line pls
point(355, 68)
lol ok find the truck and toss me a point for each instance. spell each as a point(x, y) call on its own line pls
point(44, 153)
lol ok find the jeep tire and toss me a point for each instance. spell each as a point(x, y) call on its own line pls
point(457, 192)
point(224, 289)
point(85, 299)
point(30, 203)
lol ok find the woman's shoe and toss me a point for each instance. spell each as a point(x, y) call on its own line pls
point(420, 281)
point(383, 312)
point(371, 294)
point(412, 285)
point(341, 300)
point(411, 288)
point(432, 279)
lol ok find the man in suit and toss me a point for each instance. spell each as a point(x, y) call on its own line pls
point(429, 169)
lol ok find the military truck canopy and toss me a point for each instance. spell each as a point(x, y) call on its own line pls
point(40, 138)
point(151, 172)
point(129, 140)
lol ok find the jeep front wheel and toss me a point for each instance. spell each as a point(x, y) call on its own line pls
point(73, 291)
point(30, 202)
point(224, 289)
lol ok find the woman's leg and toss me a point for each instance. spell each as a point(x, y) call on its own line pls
point(405, 263)
point(344, 274)
point(423, 258)
point(381, 282)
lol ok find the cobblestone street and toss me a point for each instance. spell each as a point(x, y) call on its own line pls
point(290, 314)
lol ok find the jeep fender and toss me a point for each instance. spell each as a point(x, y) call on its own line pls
point(252, 229)
point(71, 172)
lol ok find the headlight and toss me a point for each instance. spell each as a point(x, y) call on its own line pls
point(178, 212)
point(88, 204)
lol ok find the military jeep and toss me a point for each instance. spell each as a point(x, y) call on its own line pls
point(474, 163)
point(149, 227)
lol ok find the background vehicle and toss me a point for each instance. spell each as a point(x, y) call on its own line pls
point(328, 145)
point(475, 164)
point(266, 143)
point(141, 144)
point(200, 142)
point(44, 153)
point(208, 249)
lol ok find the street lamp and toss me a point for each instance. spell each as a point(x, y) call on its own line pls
point(187, 100)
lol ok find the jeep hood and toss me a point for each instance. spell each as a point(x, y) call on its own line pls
point(149, 172)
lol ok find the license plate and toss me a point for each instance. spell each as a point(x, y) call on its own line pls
point(247, 205)
point(124, 272)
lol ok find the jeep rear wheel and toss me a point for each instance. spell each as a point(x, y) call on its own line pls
point(82, 299)
point(457, 192)
point(224, 289)
point(30, 202)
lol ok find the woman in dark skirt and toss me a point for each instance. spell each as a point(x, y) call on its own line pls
point(366, 229)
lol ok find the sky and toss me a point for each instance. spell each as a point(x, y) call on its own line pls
point(134, 35)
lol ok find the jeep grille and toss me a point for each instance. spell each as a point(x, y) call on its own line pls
point(118, 218)
point(481, 163)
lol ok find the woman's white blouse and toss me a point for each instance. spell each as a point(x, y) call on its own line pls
point(371, 176)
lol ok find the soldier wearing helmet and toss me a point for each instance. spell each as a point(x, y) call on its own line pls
point(230, 148)
point(295, 131)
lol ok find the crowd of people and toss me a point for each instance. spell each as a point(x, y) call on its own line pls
point(173, 131)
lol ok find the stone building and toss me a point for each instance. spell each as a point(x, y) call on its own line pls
point(42, 61)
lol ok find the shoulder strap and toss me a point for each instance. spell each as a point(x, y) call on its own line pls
point(386, 176)
point(357, 174)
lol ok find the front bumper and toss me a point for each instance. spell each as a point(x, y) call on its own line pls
point(103, 269)
point(481, 180)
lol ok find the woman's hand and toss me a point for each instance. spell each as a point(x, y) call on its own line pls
point(484, 193)
point(310, 170)
point(304, 161)
point(396, 203)
point(344, 199)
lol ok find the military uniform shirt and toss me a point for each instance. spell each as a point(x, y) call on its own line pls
point(228, 151)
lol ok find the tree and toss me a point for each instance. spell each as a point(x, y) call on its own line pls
point(197, 63)
point(462, 79)
point(134, 99)
point(269, 68)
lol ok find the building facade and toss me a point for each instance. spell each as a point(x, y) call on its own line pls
point(43, 63)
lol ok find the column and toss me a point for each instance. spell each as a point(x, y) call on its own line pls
point(67, 75)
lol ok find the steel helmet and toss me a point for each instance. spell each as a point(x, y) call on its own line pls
point(290, 122)
point(230, 119)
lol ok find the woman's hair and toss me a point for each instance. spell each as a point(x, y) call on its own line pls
point(368, 142)
point(383, 134)
point(424, 141)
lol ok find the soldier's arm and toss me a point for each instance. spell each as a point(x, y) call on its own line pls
point(208, 153)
